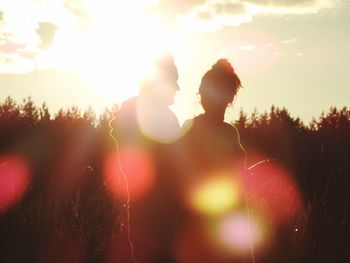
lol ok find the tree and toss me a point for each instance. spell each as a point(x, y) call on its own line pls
point(241, 123)
point(44, 113)
point(9, 110)
point(29, 112)
point(90, 116)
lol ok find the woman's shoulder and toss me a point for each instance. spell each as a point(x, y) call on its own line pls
point(191, 128)
point(230, 128)
point(193, 124)
point(234, 135)
point(231, 134)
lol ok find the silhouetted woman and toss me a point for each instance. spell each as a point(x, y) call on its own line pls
point(210, 150)
point(212, 142)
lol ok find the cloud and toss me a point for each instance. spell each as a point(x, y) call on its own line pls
point(15, 64)
point(289, 41)
point(15, 57)
point(209, 15)
point(292, 7)
point(78, 9)
point(9, 47)
point(28, 29)
point(213, 15)
point(200, 15)
point(282, 2)
point(46, 31)
point(248, 47)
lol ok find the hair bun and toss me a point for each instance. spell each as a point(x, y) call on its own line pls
point(224, 66)
point(221, 78)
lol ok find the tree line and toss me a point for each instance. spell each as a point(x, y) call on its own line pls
point(66, 205)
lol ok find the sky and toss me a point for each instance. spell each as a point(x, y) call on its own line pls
point(288, 53)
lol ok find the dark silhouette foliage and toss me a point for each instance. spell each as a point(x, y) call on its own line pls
point(66, 215)
point(318, 155)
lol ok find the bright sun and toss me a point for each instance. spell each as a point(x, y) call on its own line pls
point(117, 49)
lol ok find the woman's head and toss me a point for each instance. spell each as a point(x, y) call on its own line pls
point(161, 81)
point(219, 86)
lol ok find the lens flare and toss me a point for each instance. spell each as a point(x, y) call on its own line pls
point(237, 233)
point(227, 238)
point(215, 195)
point(14, 180)
point(155, 119)
point(138, 168)
point(273, 193)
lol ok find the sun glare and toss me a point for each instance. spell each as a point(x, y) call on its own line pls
point(117, 49)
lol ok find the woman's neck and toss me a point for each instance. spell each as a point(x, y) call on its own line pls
point(215, 115)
